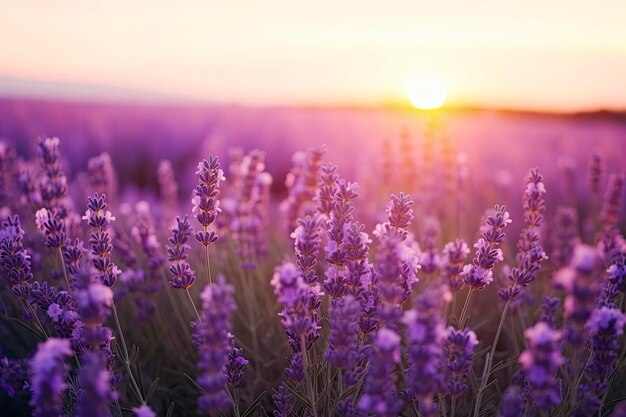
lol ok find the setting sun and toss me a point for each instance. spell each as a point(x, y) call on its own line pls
point(427, 92)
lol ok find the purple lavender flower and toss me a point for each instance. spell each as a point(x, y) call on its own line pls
point(605, 327)
point(299, 315)
point(612, 205)
point(53, 187)
point(235, 365)
point(47, 377)
point(458, 353)
point(307, 245)
point(400, 213)
point(102, 176)
point(340, 216)
point(540, 362)
point(513, 403)
point(454, 255)
point(380, 395)
point(211, 336)
point(205, 202)
point(327, 188)
point(302, 184)
point(99, 218)
point(429, 258)
point(479, 273)
point(595, 174)
point(344, 350)
point(14, 382)
point(549, 309)
point(396, 260)
point(581, 282)
point(144, 234)
point(143, 411)
point(168, 187)
point(93, 302)
point(564, 236)
point(51, 226)
point(283, 402)
point(357, 270)
point(424, 348)
point(94, 381)
point(14, 259)
point(182, 274)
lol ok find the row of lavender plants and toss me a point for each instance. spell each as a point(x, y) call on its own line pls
point(248, 307)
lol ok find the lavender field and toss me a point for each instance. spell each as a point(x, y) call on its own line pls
point(193, 260)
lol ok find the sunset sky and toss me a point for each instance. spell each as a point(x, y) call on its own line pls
point(545, 55)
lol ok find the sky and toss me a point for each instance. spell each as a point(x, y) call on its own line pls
point(558, 55)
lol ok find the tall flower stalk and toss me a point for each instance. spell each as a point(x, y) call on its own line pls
point(206, 205)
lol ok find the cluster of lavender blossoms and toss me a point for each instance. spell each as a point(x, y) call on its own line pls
point(99, 219)
point(479, 273)
point(211, 335)
point(540, 363)
point(47, 377)
point(182, 274)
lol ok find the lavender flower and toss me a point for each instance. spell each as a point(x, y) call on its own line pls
point(102, 175)
point(235, 365)
point(53, 187)
point(47, 377)
point(183, 275)
point(283, 402)
point(540, 362)
point(144, 234)
point(400, 214)
point(605, 326)
point(211, 336)
point(327, 188)
point(14, 259)
point(344, 350)
point(99, 218)
point(380, 395)
point(307, 245)
point(205, 202)
point(479, 273)
point(458, 353)
point(94, 381)
point(513, 403)
point(299, 314)
point(549, 311)
point(595, 174)
point(340, 216)
point(51, 226)
point(564, 236)
point(143, 411)
point(302, 184)
point(168, 187)
point(581, 283)
point(424, 336)
point(454, 255)
point(429, 258)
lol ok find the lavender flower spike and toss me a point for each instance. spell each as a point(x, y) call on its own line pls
point(206, 206)
point(143, 411)
point(95, 387)
point(380, 395)
point(183, 275)
point(99, 218)
point(14, 259)
point(458, 353)
point(540, 362)
point(47, 377)
point(211, 336)
point(479, 273)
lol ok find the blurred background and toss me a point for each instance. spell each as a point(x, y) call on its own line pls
point(513, 85)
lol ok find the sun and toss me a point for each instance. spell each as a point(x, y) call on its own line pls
point(427, 92)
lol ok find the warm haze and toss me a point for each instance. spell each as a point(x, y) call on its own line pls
point(558, 55)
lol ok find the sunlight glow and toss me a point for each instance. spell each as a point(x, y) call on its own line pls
point(427, 92)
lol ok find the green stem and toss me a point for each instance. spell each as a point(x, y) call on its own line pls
point(193, 305)
point(307, 379)
point(126, 357)
point(67, 280)
point(489, 360)
point(461, 322)
point(208, 263)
